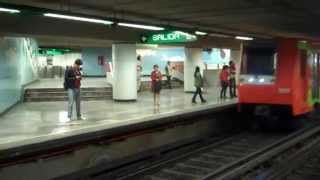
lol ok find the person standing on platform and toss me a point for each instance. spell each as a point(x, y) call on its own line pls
point(224, 81)
point(156, 78)
point(198, 83)
point(72, 85)
point(232, 79)
point(139, 70)
point(168, 71)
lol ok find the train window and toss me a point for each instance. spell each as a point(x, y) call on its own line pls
point(259, 61)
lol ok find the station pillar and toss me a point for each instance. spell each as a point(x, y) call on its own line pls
point(193, 59)
point(125, 72)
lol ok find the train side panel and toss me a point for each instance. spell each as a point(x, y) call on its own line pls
point(292, 81)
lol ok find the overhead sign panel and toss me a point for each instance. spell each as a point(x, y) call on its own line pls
point(52, 51)
point(167, 37)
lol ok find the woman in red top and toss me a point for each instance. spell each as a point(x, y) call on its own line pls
point(224, 80)
point(156, 78)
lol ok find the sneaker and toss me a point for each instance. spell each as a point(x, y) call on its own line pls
point(194, 102)
point(203, 101)
point(81, 118)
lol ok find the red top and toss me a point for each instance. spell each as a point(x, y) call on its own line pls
point(77, 82)
point(156, 75)
point(224, 75)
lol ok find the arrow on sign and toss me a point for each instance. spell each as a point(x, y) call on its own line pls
point(144, 39)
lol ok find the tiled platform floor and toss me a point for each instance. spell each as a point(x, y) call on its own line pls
point(30, 123)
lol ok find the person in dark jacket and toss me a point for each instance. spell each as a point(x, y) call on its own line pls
point(72, 84)
point(168, 71)
point(232, 79)
point(198, 83)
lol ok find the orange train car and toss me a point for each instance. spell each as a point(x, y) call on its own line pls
point(278, 77)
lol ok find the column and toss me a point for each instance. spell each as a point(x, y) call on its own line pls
point(193, 59)
point(125, 72)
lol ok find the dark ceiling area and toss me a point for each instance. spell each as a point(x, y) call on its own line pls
point(289, 18)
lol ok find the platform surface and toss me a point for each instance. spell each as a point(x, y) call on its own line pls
point(37, 122)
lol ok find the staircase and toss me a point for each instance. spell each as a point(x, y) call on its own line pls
point(175, 84)
point(59, 94)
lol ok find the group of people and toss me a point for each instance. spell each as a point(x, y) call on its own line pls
point(228, 79)
point(156, 78)
point(73, 78)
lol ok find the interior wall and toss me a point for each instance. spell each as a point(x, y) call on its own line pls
point(91, 56)
point(65, 59)
point(18, 66)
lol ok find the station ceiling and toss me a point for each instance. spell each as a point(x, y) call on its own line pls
point(258, 18)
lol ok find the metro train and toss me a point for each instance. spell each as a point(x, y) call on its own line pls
point(279, 79)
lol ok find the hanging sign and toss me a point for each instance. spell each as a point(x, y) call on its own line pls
point(167, 37)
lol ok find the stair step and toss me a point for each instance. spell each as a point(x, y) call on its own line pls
point(38, 94)
point(63, 90)
point(57, 98)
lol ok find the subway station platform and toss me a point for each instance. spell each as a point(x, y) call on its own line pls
point(35, 123)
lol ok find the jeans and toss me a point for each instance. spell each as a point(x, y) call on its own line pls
point(224, 86)
point(198, 91)
point(169, 82)
point(232, 87)
point(74, 96)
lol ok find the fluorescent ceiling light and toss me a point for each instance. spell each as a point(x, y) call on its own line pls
point(76, 18)
point(139, 26)
point(201, 33)
point(219, 35)
point(9, 10)
point(244, 38)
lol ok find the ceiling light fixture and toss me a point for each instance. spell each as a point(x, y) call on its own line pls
point(201, 33)
point(76, 18)
point(139, 26)
point(244, 38)
point(219, 35)
point(9, 10)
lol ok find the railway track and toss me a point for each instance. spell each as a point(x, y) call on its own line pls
point(299, 162)
point(296, 159)
point(310, 170)
point(206, 162)
point(242, 156)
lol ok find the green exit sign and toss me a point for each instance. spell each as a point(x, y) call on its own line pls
point(53, 51)
point(168, 37)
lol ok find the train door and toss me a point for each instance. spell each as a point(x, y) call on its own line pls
point(316, 78)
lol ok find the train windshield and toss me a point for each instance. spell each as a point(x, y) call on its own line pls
point(259, 61)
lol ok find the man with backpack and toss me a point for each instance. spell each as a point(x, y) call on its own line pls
point(72, 84)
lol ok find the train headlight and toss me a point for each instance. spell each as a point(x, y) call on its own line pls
point(250, 80)
point(261, 80)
